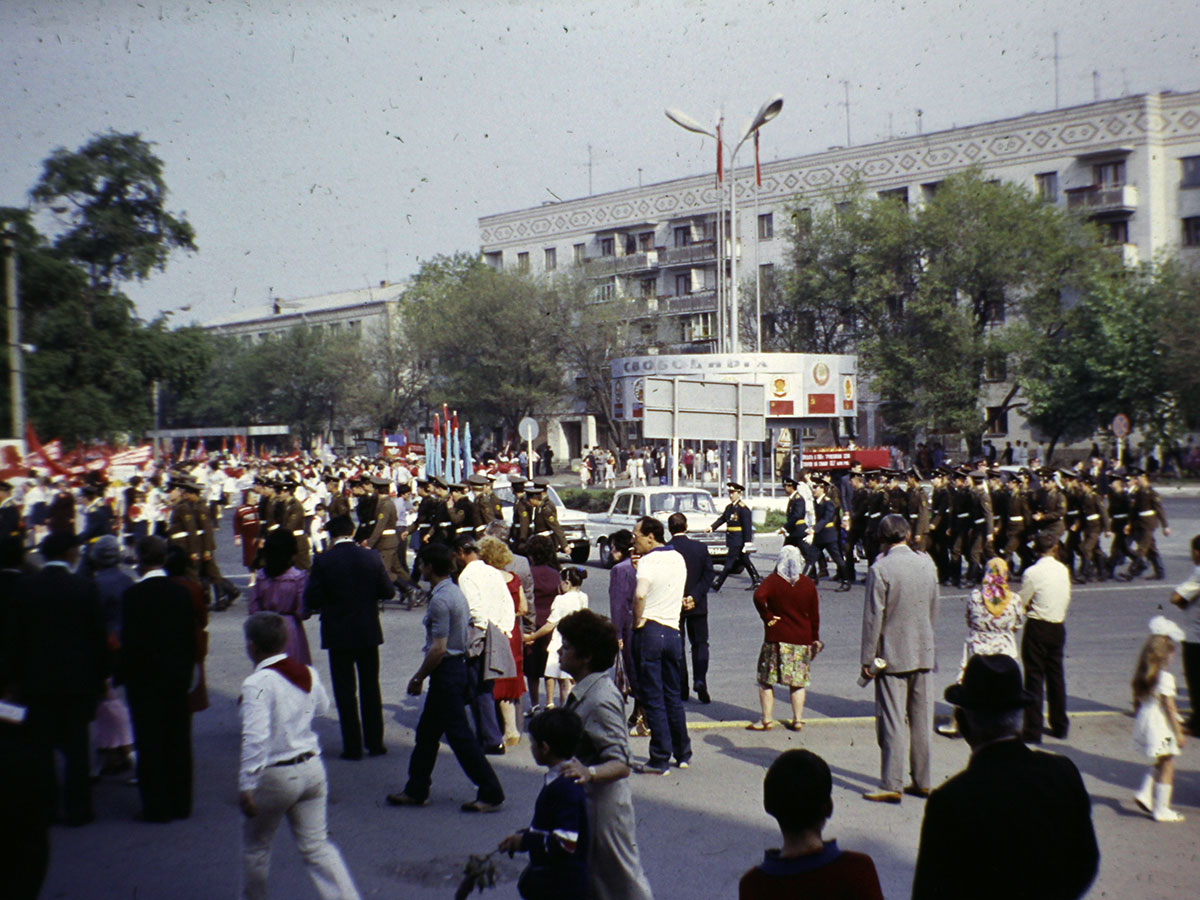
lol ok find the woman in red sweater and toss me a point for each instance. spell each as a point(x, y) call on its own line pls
point(787, 603)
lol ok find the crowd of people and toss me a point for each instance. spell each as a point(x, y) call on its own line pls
point(507, 627)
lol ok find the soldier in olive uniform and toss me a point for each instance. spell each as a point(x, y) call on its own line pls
point(941, 521)
point(1050, 506)
point(386, 533)
point(1118, 515)
point(961, 504)
point(339, 505)
point(1093, 520)
point(364, 509)
point(739, 531)
point(291, 520)
point(979, 542)
point(1145, 515)
point(201, 545)
point(183, 530)
point(461, 511)
point(1072, 494)
point(1016, 529)
point(522, 518)
point(487, 505)
point(917, 512)
point(545, 517)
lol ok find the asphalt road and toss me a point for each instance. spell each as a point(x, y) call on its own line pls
point(699, 829)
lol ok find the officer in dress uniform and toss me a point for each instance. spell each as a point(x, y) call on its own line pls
point(1093, 520)
point(522, 518)
point(487, 505)
point(202, 543)
point(941, 522)
point(385, 535)
point(825, 528)
point(545, 517)
point(1118, 515)
point(338, 504)
point(739, 531)
point(292, 519)
point(365, 507)
point(877, 508)
point(917, 512)
point(795, 528)
point(461, 511)
point(1145, 515)
point(982, 526)
point(961, 529)
point(441, 532)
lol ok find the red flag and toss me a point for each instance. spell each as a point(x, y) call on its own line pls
point(720, 157)
point(757, 167)
point(437, 424)
point(225, 447)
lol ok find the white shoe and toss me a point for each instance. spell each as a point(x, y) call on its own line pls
point(1162, 805)
point(1144, 798)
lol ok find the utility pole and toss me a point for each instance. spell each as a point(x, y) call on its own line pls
point(16, 361)
point(846, 88)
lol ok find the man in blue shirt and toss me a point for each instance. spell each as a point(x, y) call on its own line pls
point(447, 621)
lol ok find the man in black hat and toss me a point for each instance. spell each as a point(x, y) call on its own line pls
point(1007, 788)
point(522, 517)
point(739, 531)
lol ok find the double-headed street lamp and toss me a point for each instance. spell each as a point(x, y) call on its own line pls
point(766, 113)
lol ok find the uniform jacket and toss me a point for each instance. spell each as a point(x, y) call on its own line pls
point(901, 602)
point(739, 526)
point(545, 522)
point(796, 526)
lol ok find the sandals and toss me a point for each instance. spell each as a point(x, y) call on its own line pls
point(794, 725)
point(760, 726)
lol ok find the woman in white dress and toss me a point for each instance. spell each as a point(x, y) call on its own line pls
point(1156, 730)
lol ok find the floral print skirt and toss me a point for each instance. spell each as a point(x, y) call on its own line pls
point(786, 664)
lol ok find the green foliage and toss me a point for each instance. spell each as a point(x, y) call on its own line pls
point(587, 499)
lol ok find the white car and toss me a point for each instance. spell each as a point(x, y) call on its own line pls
point(573, 522)
point(630, 504)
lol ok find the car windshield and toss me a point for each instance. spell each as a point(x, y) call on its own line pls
point(504, 494)
point(684, 502)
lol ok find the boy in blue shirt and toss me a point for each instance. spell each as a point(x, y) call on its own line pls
point(556, 840)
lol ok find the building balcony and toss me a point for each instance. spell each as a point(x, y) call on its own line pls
point(1097, 199)
point(601, 266)
point(698, 301)
point(693, 254)
point(701, 344)
point(1127, 254)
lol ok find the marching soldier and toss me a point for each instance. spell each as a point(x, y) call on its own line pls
point(941, 522)
point(461, 511)
point(877, 507)
point(960, 534)
point(338, 504)
point(1093, 519)
point(385, 535)
point(825, 539)
point(796, 526)
point(522, 518)
point(739, 531)
point(1118, 515)
point(1016, 529)
point(441, 531)
point(203, 543)
point(183, 529)
point(545, 517)
point(857, 533)
point(982, 526)
point(1145, 515)
point(487, 505)
point(364, 509)
point(917, 511)
point(290, 513)
point(245, 531)
point(1073, 495)
point(1050, 506)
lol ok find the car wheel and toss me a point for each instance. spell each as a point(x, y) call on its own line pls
point(580, 551)
point(602, 552)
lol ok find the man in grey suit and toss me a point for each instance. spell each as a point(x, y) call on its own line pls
point(902, 593)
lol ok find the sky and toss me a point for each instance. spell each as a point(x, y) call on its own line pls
point(325, 145)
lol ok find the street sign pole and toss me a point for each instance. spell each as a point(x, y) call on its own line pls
point(528, 429)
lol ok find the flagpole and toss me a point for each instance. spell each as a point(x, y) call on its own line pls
point(757, 264)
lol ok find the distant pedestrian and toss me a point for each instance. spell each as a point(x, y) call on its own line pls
point(797, 793)
point(1156, 731)
point(281, 772)
point(901, 602)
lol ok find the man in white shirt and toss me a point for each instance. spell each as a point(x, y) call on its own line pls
point(281, 771)
point(1045, 594)
point(657, 647)
point(489, 601)
point(1187, 596)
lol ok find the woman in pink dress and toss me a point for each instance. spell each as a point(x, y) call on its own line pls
point(280, 589)
point(508, 691)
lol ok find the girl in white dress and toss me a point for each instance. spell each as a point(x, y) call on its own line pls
point(570, 599)
point(1156, 731)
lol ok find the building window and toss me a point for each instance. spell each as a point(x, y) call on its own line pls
point(929, 190)
point(551, 259)
point(766, 273)
point(646, 241)
point(1046, 185)
point(630, 244)
point(335, 327)
point(683, 236)
point(1191, 171)
point(606, 290)
point(900, 195)
point(996, 368)
point(997, 420)
point(766, 226)
point(648, 287)
point(698, 327)
point(683, 284)
point(523, 263)
point(354, 326)
point(1191, 231)
point(607, 247)
point(495, 259)
point(1115, 232)
point(993, 311)
point(1109, 174)
point(802, 219)
point(316, 329)
point(578, 254)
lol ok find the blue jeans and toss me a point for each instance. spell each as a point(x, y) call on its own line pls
point(659, 654)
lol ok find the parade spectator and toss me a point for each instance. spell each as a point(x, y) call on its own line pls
point(1156, 731)
point(508, 691)
point(281, 772)
point(447, 637)
point(1045, 596)
point(901, 601)
point(158, 668)
point(345, 586)
point(176, 567)
point(602, 760)
point(797, 793)
point(546, 579)
point(622, 584)
point(557, 838)
point(788, 605)
point(1006, 788)
point(570, 599)
point(490, 604)
point(113, 734)
point(56, 663)
point(700, 575)
point(280, 589)
point(657, 604)
point(1187, 597)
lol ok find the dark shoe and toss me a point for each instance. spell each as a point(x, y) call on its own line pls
point(883, 796)
point(702, 695)
point(913, 791)
point(481, 806)
point(1058, 734)
point(498, 750)
point(652, 769)
point(843, 586)
point(350, 756)
point(378, 751)
point(402, 799)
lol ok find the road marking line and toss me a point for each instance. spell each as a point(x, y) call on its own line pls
point(870, 720)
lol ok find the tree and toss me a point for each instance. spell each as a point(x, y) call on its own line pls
point(110, 198)
point(492, 340)
point(394, 379)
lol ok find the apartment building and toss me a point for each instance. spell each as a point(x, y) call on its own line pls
point(354, 312)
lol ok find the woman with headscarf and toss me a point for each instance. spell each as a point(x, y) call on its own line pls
point(787, 603)
point(994, 616)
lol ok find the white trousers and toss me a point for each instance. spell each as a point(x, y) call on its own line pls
point(298, 792)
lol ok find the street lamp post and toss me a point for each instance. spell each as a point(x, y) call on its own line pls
point(16, 360)
point(766, 113)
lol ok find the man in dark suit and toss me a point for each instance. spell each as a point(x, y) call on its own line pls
point(157, 665)
point(700, 574)
point(1007, 788)
point(56, 664)
point(345, 586)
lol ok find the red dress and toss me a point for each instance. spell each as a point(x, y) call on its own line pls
point(245, 526)
point(513, 688)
